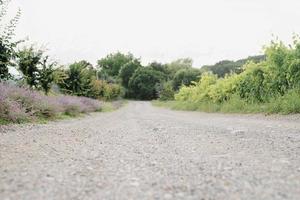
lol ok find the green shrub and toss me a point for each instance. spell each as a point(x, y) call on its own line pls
point(185, 77)
point(199, 91)
point(143, 83)
point(101, 89)
point(286, 104)
point(165, 91)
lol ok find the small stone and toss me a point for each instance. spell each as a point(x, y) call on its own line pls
point(168, 196)
point(180, 194)
point(135, 183)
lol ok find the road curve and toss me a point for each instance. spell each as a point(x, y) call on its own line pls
point(143, 152)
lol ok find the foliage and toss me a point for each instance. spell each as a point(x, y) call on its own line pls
point(80, 79)
point(46, 75)
point(159, 67)
point(287, 104)
point(165, 91)
point(77, 78)
point(7, 52)
point(28, 60)
point(127, 71)
point(252, 83)
point(36, 69)
point(19, 104)
point(185, 77)
point(142, 84)
point(73, 106)
point(226, 67)
point(101, 89)
point(199, 91)
point(111, 64)
point(267, 86)
point(224, 88)
point(183, 63)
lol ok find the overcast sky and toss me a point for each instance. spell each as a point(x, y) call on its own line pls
point(205, 30)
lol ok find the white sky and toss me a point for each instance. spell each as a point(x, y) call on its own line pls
point(163, 30)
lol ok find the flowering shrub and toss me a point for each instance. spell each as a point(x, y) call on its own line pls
point(72, 105)
point(19, 103)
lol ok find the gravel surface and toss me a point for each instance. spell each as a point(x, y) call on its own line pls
point(144, 152)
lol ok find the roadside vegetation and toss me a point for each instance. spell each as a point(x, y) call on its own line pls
point(270, 86)
point(21, 104)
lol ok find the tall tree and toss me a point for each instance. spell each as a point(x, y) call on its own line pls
point(127, 71)
point(111, 64)
point(183, 63)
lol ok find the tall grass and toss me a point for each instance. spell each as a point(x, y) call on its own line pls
point(18, 104)
point(286, 104)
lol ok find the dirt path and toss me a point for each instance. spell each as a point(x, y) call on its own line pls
point(143, 152)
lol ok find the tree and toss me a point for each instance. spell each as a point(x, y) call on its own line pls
point(28, 60)
point(159, 67)
point(162, 68)
point(183, 63)
point(6, 45)
point(111, 64)
point(142, 84)
point(46, 75)
point(127, 71)
point(185, 77)
point(227, 66)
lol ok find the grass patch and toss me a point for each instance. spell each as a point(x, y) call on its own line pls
point(4, 122)
point(228, 107)
point(286, 104)
point(107, 107)
point(113, 105)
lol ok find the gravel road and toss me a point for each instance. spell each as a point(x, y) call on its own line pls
point(144, 152)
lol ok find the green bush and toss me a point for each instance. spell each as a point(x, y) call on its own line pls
point(185, 77)
point(142, 84)
point(199, 91)
point(165, 91)
point(127, 71)
point(101, 89)
point(286, 104)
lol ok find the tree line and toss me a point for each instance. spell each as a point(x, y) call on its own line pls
point(123, 75)
point(116, 75)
